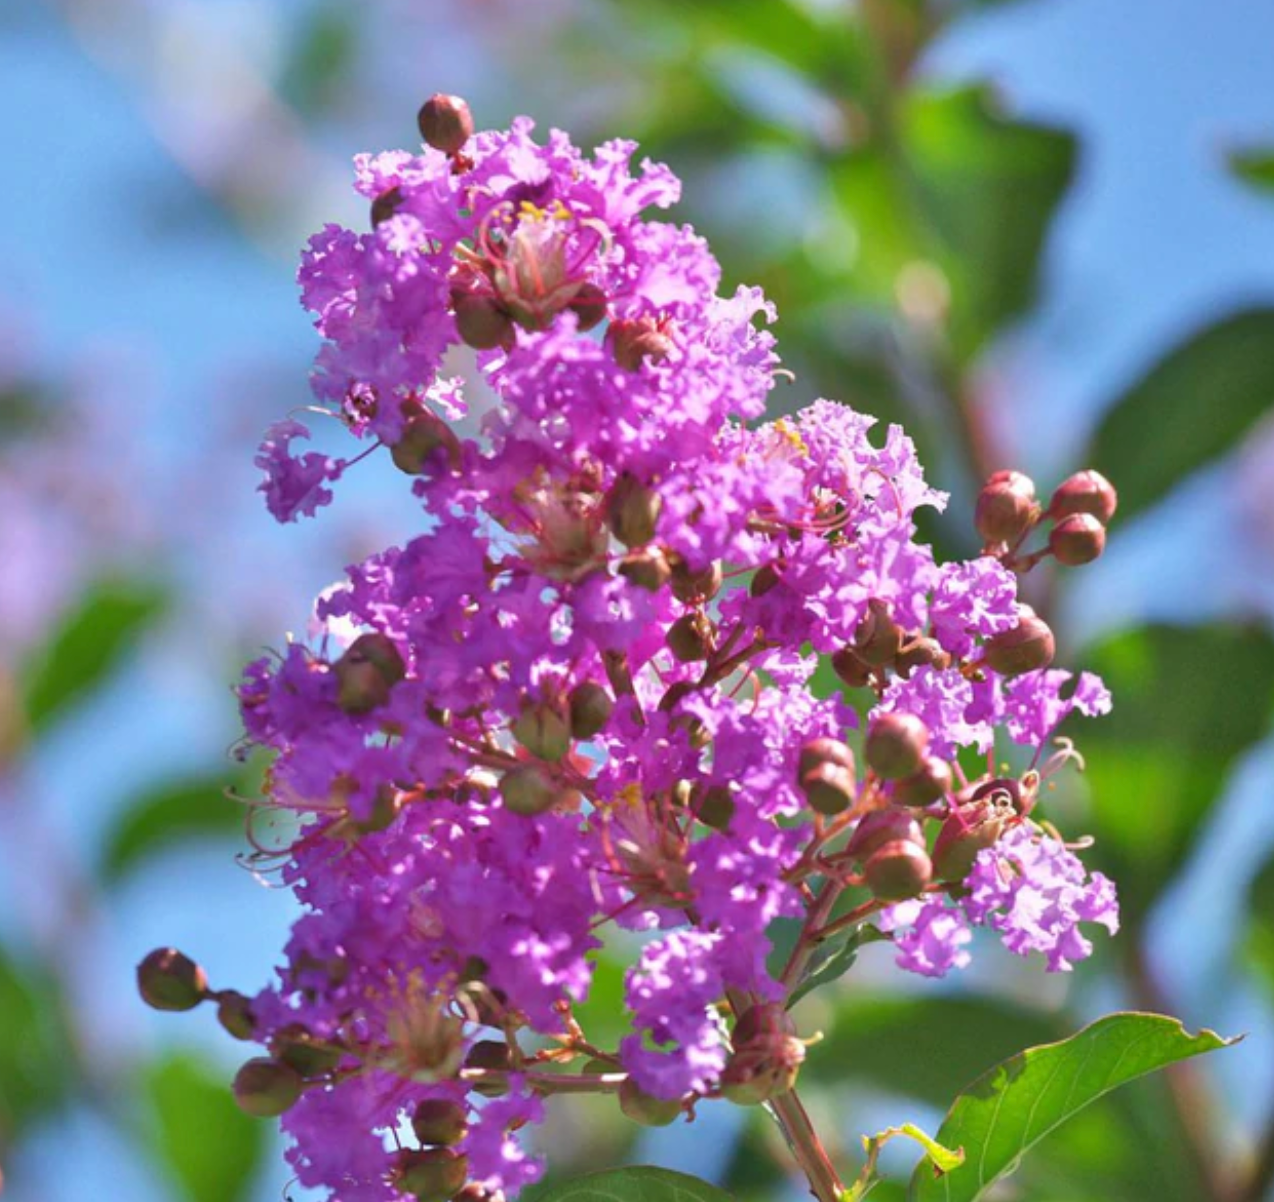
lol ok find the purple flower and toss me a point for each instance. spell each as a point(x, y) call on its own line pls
point(293, 486)
point(1034, 706)
point(930, 935)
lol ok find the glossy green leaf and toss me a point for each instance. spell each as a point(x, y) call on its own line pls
point(92, 641)
point(637, 1184)
point(210, 1147)
point(1193, 406)
point(37, 1047)
point(1188, 702)
point(1006, 1112)
point(199, 807)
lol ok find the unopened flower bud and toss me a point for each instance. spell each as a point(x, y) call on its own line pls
point(634, 340)
point(1077, 540)
point(589, 306)
point(933, 781)
point(234, 1013)
point(439, 1121)
point(544, 729)
point(481, 321)
point(898, 870)
point(430, 1174)
point(851, 669)
point(690, 637)
point(646, 569)
point(265, 1088)
point(167, 980)
point(828, 788)
point(879, 827)
point(492, 1055)
point(1006, 507)
point(1084, 492)
point(633, 510)
point(423, 436)
point(920, 652)
point(764, 1067)
point(763, 1019)
point(691, 586)
point(591, 707)
point(969, 829)
point(645, 1109)
point(445, 122)
point(896, 745)
point(878, 637)
point(763, 580)
point(825, 751)
point(528, 790)
point(386, 205)
point(716, 807)
point(298, 1049)
point(1028, 646)
point(366, 672)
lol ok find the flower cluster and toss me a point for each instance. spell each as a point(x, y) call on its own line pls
point(582, 698)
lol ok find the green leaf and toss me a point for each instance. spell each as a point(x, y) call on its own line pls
point(1188, 702)
point(193, 808)
point(1193, 406)
point(639, 1184)
point(834, 958)
point(37, 1048)
point(1010, 1109)
point(1258, 946)
point(210, 1147)
point(92, 641)
point(1253, 165)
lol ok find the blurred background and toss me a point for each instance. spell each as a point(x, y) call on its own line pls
point(1038, 233)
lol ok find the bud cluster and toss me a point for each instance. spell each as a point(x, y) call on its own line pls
point(581, 697)
point(1079, 512)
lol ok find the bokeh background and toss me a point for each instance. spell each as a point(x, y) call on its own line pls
point(1039, 233)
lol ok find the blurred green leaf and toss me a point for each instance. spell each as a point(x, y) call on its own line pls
point(1195, 405)
point(211, 1148)
point(603, 1014)
point(321, 59)
point(637, 1184)
point(1254, 165)
point(834, 958)
point(759, 1164)
point(1259, 942)
point(197, 807)
point(1010, 1109)
point(37, 1049)
point(1188, 701)
point(927, 1048)
point(92, 641)
point(989, 187)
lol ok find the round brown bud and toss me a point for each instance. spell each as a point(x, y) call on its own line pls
point(633, 511)
point(430, 1174)
point(589, 306)
point(851, 669)
point(481, 321)
point(1085, 492)
point(234, 1013)
point(878, 637)
point(265, 1088)
point(646, 569)
point(898, 870)
point(920, 652)
point(492, 1055)
point(591, 707)
point(298, 1049)
point(445, 123)
point(825, 751)
point(645, 1109)
point(386, 205)
point(765, 578)
point(763, 1068)
point(690, 637)
point(636, 340)
point(922, 788)
point(528, 790)
point(896, 745)
point(765, 1018)
point(966, 832)
point(691, 587)
point(828, 788)
point(881, 827)
point(1006, 507)
point(167, 980)
point(1028, 646)
point(716, 807)
point(422, 438)
point(544, 729)
point(439, 1121)
point(1077, 540)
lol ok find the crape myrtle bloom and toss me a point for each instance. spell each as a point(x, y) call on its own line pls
point(586, 697)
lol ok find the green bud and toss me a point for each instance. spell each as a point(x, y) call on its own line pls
point(265, 1088)
point(642, 1108)
point(167, 980)
point(896, 745)
point(431, 1174)
point(591, 707)
point(439, 1121)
